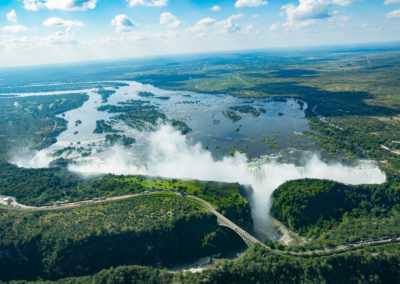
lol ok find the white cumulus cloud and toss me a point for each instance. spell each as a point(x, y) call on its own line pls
point(55, 21)
point(32, 5)
point(30, 43)
point(228, 25)
point(202, 25)
point(307, 9)
point(307, 12)
point(122, 23)
point(149, 3)
point(387, 2)
point(250, 3)
point(393, 14)
point(62, 37)
point(15, 29)
point(215, 8)
point(342, 2)
point(312, 9)
point(12, 16)
point(67, 5)
point(13, 42)
point(224, 26)
point(169, 20)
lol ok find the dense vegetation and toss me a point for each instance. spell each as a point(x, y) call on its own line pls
point(249, 109)
point(232, 115)
point(334, 213)
point(39, 187)
point(340, 83)
point(353, 229)
point(135, 113)
point(32, 122)
point(353, 109)
point(157, 229)
point(181, 126)
point(112, 139)
point(105, 94)
point(78, 241)
point(360, 137)
point(103, 127)
point(42, 81)
point(379, 264)
point(145, 94)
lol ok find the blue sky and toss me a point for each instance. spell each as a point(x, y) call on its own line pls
point(51, 31)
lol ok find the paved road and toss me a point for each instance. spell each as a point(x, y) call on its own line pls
point(222, 220)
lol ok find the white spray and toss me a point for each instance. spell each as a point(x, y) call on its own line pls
point(171, 155)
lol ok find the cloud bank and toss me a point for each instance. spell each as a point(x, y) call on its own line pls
point(387, 2)
point(209, 25)
point(250, 3)
point(58, 22)
point(393, 14)
point(15, 29)
point(67, 5)
point(148, 3)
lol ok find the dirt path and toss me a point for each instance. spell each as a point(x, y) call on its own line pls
point(390, 150)
point(55, 125)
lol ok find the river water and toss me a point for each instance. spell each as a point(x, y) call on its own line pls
point(266, 131)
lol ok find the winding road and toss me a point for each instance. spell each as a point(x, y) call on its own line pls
point(221, 219)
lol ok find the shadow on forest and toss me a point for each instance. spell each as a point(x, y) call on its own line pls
point(173, 80)
point(327, 103)
point(294, 73)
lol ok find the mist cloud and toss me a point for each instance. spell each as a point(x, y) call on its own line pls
point(170, 154)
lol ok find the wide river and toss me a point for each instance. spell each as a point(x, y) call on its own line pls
point(258, 142)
